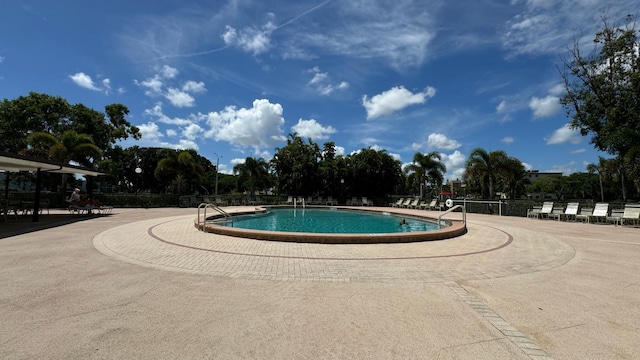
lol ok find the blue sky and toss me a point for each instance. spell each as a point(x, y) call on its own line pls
point(234, 78)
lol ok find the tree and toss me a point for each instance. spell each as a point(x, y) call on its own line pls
point(602, 92)
point(70, 147)
point(371, 173)
point(251, 174)
point(297, 166)
point(513, 177)
point(180, 169)
point(482, 168)
point(427, 168)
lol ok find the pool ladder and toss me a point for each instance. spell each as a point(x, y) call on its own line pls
point(464, 215)
point(227, 218)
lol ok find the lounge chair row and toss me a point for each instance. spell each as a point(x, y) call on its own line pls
point(413, 203)
point(598, 214)
point(309, 200)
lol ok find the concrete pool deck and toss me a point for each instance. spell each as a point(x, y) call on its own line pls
point(145, 284)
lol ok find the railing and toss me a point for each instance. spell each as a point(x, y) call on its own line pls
point(204, 206)
point(464, 215)
point(488, 202)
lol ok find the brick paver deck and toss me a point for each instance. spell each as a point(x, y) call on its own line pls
point(145, 284)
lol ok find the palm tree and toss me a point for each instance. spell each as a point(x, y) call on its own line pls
point(427, 167)
point(71, 146)
point(177, 168)
point(514, 177)
point(483, 167)
point(593, 168)
point(252, 172)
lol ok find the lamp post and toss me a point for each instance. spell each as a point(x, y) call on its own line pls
point(217, 171)
point(138, 171)
point(341, 189)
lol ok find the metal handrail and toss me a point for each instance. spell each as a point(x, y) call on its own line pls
point(215, 207)
point(464, 215)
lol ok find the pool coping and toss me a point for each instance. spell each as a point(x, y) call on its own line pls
point(455, 228)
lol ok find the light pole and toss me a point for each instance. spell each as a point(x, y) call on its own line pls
point(138, 171)
point(217, 171)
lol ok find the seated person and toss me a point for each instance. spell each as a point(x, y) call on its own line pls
point(82, 201)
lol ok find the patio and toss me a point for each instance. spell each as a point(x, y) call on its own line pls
point(145, 284)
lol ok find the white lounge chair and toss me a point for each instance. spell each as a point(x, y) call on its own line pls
point(534, 212)
point(585, 214)
point(600, 212)
point(556, 213)
point(571, 211)
point(412, 204)
point(398, 203)
point(366, 202)
point(547, 208)
point(406, 203)
point(631, 214)
point(616, 216)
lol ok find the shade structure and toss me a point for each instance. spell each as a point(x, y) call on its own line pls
point(13, 163)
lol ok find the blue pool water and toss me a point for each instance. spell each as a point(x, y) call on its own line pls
point(330, 221)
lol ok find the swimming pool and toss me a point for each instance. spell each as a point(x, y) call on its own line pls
point(451, 228)
point(331, 221)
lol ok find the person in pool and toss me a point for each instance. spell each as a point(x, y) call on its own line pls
point(403, 222)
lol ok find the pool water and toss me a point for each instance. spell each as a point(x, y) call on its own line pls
point(331, 221)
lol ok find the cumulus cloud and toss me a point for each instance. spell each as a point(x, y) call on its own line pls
point(179, 98)
point(416, 146)
point(258, 126)
point(312, 129)
point(192, 131)
point(150, 131)
point(507, 140)
point(545, 107)
point(394, 99)
point(454, 163)
point(83, 80)
point(563, 135)
point(194, 87)
point(440, 141)
point(168, 72)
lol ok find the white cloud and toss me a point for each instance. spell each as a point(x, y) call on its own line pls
point(191, 131)
point(440, 141)
point(258, 126)
point(394, 99)
point(83, 80)
point(194, 87)
point(250, 39)
point(578, 151)
point(339, 150)
point(545, 107)
point(312, 129)
point(455, 164)
point(153, 85)
point(322, 83)
point(1, 59)
point(171, 132)
point(507, 140)
point(150, 131)
point(179, 98)
point(557, 90)
point(168, 72)
point(158, 114)
point(527, 166)
point(501, 107)
point(416, 146)
point(564, 135)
